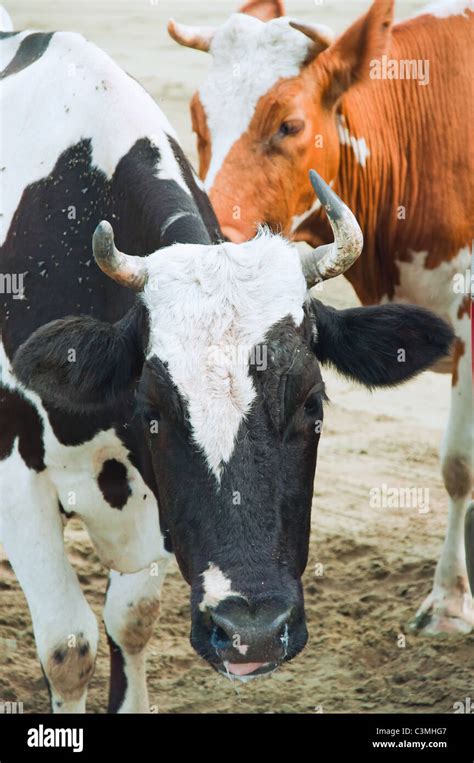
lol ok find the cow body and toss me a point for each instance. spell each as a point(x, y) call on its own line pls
point(395, 144)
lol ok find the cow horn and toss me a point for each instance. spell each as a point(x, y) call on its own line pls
point(320, 35)
point(331, 260)
point(126, 269)
point(198, 37)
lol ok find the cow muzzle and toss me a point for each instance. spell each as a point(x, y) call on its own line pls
point(243, 640)
point(235, 235)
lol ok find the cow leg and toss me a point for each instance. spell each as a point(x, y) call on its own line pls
point(65, 627)
point(449, 607)
point(469, 539)
point(131, 610)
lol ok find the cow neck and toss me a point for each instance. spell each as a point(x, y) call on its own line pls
point(369, 185)
point(406, 147)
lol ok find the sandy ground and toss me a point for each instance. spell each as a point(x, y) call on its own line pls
point(377, 563)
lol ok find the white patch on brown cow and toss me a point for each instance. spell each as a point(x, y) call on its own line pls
point(444, 8)
point(242, 47)
point(296, 220)
point(432, 288)
point(358, 145)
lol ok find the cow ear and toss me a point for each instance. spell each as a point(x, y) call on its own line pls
point(265, 10)
point(379, 346)
point(80, 363)
point(348, 59)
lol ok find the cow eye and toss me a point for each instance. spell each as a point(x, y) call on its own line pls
point(151, 418)
point(313, 404)
point(152, 413)
point(291, 127)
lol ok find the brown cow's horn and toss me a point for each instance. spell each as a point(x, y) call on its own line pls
point(331, 260)
point(126, 269)
point(198, 37)
point(320, 34)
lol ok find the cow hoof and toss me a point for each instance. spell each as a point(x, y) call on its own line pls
point(445, 612)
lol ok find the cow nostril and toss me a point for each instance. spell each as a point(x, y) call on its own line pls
point(219, 638)
point(284, 637)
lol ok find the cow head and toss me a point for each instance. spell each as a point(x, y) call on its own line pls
point(224, 348)
point(267, 111)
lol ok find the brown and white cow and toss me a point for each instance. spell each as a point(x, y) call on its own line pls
point(382, 113)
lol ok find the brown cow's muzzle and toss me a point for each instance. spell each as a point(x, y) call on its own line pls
point(235, 235)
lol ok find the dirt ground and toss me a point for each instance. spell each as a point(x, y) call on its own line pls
point(377, 563)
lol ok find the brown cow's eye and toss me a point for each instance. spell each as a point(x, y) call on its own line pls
point(292, 127)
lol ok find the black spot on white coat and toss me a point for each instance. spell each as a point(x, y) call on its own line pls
point(30, 50)
point(113, 482)
point(20, 419)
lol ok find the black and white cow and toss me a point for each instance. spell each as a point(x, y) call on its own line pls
point(185, 375)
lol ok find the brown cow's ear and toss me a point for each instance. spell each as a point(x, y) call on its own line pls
point(265, 10)
point(348, 60)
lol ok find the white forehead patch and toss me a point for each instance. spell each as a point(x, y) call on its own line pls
point(217, 587)
point(208, 308)
point(248, 58)
point(444, 8)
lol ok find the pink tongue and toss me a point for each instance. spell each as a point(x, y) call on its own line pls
point(243, 668)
